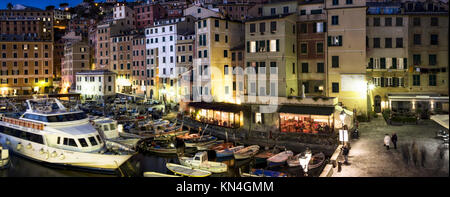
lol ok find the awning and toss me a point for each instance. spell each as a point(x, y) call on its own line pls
point(441, 119)
point(307, 110)
point(339, 108)
point(225, 107)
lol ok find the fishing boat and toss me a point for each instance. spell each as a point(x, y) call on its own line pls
point(228, 152)
point(204, 140)
point(263, 173)
point(50, 133)
point(4, 157)
point(246, 152)
point(187, 171)
point(188, 136)
point(209, 146)
point(161, 148)
point(157, 174)
point(263, 156)
point(109, 130)
point(316, 160)
point(200, 161)
point(279, 159)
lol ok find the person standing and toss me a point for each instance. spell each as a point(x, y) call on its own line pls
point(345, 152)
point(394, 140)
point(387, 140)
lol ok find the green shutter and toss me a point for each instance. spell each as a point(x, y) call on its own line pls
point(340, 40)
point(405, 63)
point(382, 81)
point(268, 45)
point(329, 40)
point(278, 45)
point(248, 46)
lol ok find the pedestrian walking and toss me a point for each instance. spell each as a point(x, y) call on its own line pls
point(394, 140)
point(387, 140)
point(345, 151)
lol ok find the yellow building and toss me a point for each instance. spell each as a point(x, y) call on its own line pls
point(346, 55)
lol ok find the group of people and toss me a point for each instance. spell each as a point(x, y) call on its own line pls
point(307, 126)
point(388, 139)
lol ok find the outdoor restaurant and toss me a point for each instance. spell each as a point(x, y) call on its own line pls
point(220, 114)
point(306, 119)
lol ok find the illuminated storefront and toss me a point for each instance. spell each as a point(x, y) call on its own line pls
point(306, 119)
point(220, 114)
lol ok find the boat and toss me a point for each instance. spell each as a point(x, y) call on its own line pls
point(4, 158)
point(263, 173)
point(228, 152)
point(160, 147)
point(157, 174)
point(316, 160)
point(187, 171)
point(188, 136)
point(263, 156)
point(209, 146)
point(279, 159)
point(200, 161)
point(204, 140)
point(246, 152)
point(49, 133)
point(109, 130)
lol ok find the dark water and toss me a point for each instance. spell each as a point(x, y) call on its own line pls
point(135, 167)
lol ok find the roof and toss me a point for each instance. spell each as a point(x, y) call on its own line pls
point(310, 110)
point(226, 107)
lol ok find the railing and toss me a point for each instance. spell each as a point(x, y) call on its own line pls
point(23, 123)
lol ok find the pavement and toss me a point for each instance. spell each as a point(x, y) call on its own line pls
point(418, 153)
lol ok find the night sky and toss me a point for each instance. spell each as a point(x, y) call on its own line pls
point(44, 3)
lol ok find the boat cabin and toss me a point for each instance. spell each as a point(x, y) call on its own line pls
point(108, 127)
point(200, 157)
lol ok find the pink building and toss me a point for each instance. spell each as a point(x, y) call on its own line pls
point(139, 69)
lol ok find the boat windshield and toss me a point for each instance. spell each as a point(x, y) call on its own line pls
point(57, 118)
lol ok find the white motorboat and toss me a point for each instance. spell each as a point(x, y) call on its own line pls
point(50, 133)
point(109, 130)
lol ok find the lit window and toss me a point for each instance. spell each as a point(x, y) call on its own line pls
point(258, 118)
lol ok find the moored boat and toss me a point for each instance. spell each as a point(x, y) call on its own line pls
point(200, 161)
point(228, 152)
point(203, 140)
point(187, 171)
point(316, 160)
point(50, 133)
point(263, 156)
point(209, 146)
point(279, 159)
point(263, 173)
point(246, 152)
point(157, 174)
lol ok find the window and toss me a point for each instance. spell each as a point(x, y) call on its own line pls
point(273, 26)
point(432, 80)
point(216, 37)
point(335, 61)
point(383, 63)
point(335, 87)
point(72, 142)
point(416, 80)
point(434, 21)
point(304, 48)
point(376, 21)
point(376, 42)
point(252, 28)
point(258, 118)
point(388, 43)
point(225, 53)
point(285, 10)
point(319, 47)
point(303, 28)
point(417, 39)
point(302, 12)
point(320, 68)
point(432, 59)
point(433, 39)
point(272, 11)
point(399, 42)
point(388, 21)
point(416, 21)
point(416, 59)
point(83, 142)
point(398, 21)
point(335, 2)
point(304, 67)
point(334, 40)
point(216, 23)
point(262, 27)
point(349, 1)
point(225, 70)
point(334, 20)
point(92, 141)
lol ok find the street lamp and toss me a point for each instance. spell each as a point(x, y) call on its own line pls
point(342, 116)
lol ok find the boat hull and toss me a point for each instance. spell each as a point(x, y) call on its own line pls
point(214, 167)
point(55, 156)
point(187, 171)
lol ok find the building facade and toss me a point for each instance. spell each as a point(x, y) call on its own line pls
point(95, 84)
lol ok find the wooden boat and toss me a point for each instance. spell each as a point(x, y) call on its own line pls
point(263, 156)
point(263, 173)
point(279, 159)
point(187, 171)
point(228, 152)
point(4, 157)
point(316, 160)
point(200, 161)
point(246, 152)
point(188, 136)
point(200, 141)
point(157, 174)
point(158, 147)
point(209, 146)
